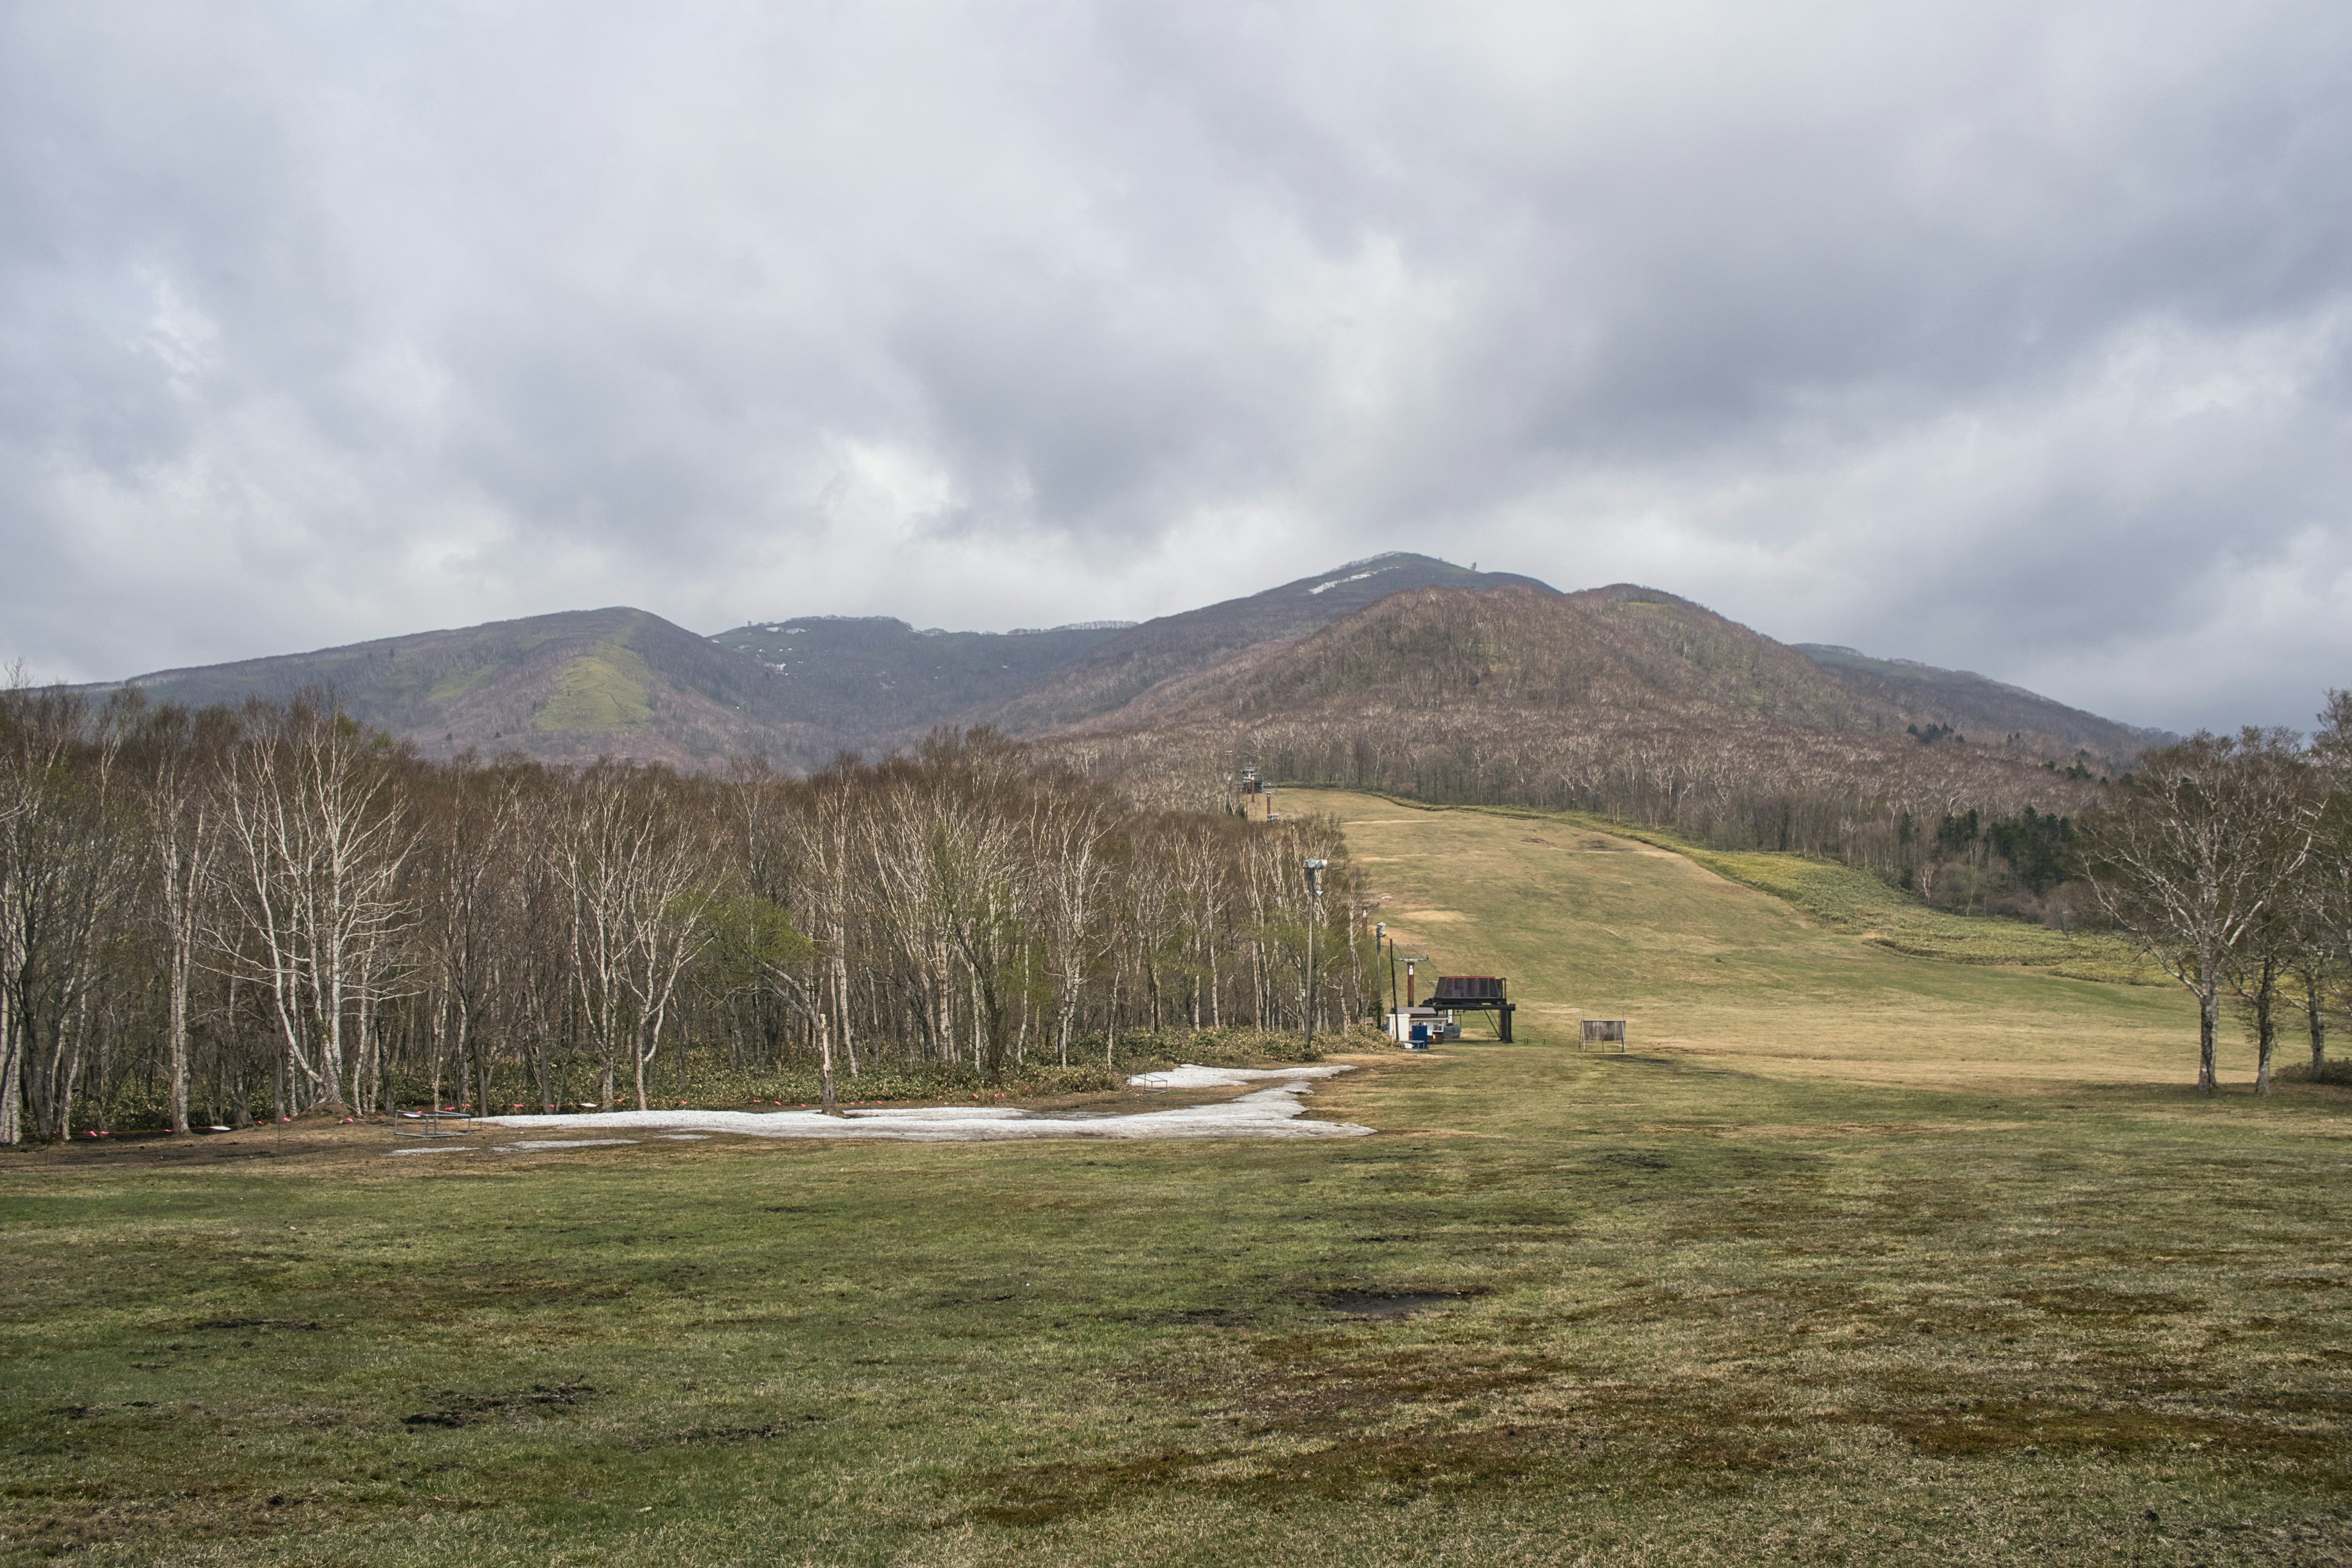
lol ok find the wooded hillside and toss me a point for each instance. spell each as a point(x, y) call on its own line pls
point(1622, 700)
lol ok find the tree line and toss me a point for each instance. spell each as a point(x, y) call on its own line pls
point(206, 915)
point(1881, 803)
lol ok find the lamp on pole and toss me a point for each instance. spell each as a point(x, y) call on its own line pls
point(1314, 917)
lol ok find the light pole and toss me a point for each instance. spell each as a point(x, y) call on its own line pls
point(1314, 917)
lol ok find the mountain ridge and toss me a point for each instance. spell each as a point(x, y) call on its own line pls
point(1993, 707)
point(622, 682)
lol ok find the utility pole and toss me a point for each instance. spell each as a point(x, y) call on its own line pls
point(1314, 918)
point(1384, 953)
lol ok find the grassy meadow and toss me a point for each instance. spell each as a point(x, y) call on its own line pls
point(1857, 1257)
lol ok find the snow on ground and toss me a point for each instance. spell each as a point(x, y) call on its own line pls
point(1272, 1111)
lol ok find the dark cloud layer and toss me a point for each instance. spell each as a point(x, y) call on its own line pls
point(2010, 336)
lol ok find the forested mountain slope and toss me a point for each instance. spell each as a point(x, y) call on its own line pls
point(1982, 709)
point(1619, 699)
point(878, 683)
point(1618, 649)
point(1163, 656)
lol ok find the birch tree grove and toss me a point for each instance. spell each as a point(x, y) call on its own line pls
point(65, 872)
point(273, 912)
point(2203, 857)
point(184, 828)
point(313, 904)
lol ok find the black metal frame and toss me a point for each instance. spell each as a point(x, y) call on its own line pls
point(1496, 1005)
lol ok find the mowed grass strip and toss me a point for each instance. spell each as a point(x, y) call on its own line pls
point(1842, 897)
point(1680, 1306)
point(1587, 921)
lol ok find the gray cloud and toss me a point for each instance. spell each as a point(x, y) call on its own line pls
point(2016, 337)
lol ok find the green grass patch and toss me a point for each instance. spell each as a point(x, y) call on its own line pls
point(598, 693)
point(1848, 899)
point(458, 682)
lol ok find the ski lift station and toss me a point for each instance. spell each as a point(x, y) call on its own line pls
point(1415, 1023)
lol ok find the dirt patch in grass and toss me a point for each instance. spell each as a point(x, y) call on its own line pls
point(460, 1409)
point(2091, 1301)
point(2006, 1426)
point(730, 1437)
point(1390, 1306)
point(1387, 1469)
point(228, 1325)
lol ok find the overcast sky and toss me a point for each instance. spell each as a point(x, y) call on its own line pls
point(2016, 337)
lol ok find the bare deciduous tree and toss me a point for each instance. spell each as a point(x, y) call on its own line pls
point(2196, 853)
point(316, 845)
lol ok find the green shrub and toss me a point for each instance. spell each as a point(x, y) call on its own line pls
point(1076, 1078)
point(1236, 1046)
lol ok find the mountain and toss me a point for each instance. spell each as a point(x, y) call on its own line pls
point(1614, 651)
point(1985, 709)
point(875, 683)
point(1622, 699)
point(561, 688)
point(1160, 657)
point(623, 682)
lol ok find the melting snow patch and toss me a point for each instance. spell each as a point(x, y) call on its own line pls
point(1325, 587)
point(446, 1149)
point(1271, 1112)
point(533, 1145)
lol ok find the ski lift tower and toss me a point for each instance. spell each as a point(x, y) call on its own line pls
point(1254, 797)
